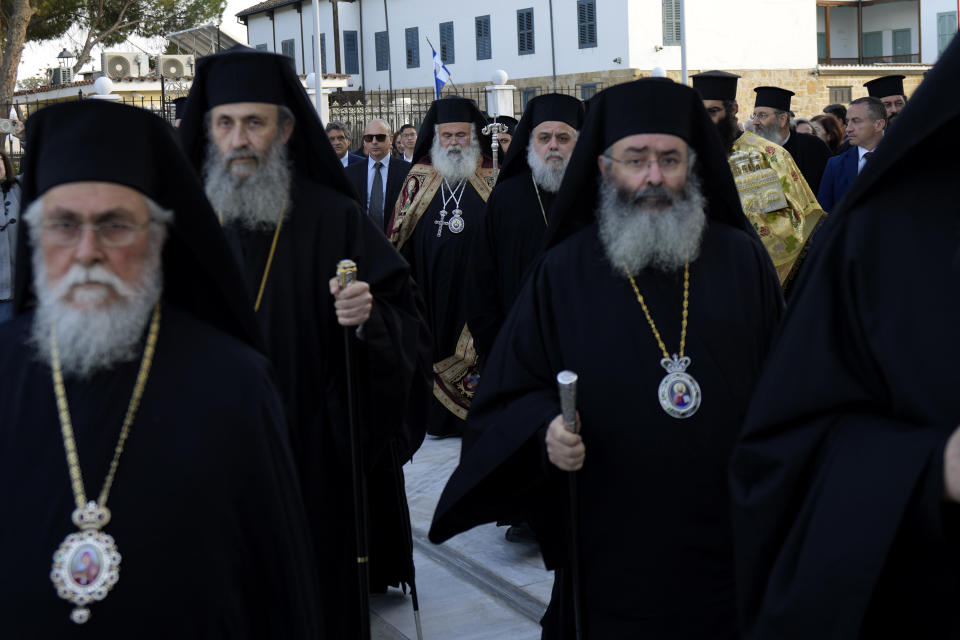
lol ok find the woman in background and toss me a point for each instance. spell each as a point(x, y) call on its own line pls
point(829, 129)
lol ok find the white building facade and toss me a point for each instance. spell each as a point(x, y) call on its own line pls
point(586, 43)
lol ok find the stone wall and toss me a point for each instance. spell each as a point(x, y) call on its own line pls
point(812, 87)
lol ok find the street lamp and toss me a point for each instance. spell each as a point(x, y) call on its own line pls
point(64, 58)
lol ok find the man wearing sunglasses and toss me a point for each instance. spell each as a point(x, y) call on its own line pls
point(379, 179)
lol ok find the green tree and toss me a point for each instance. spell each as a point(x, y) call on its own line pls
point(101, 22)
point(110, 22)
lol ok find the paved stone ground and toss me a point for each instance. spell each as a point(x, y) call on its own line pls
point(473, 587)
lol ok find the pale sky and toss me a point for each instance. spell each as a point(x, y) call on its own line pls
point(38, 56)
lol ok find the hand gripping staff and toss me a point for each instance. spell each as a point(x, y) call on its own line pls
point(346, 275)
point(567, 385)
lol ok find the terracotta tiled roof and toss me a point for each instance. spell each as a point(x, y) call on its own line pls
point(83, 83)
point(265, 6)
point(272, 4)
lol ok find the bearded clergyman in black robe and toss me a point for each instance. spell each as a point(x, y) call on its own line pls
point(290, 215)
point(439, 211)
point(771, 120)
point(846, 480)
point(147, 475)
point(518, 210)
point(656, 291)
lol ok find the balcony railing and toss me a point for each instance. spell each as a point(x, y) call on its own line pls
point(907, 58)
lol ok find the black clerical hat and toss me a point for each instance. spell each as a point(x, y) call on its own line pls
point(509, 121)
point(650, 105)
point(549, 107)
point(242, 74)
point(89, 141)
point(446, 110)
point(179, 104)
point(716, 85)
point(885, 86)
point(773, 97)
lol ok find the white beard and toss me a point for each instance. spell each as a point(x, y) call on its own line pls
point(547, 174)
point(453, 163)
point(636, 235)
point(90, 339)
point(253, 201)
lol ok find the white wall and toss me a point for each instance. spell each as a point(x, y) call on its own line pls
point(930, 9)
point(734, 34)
point(627, 29)
point(887, 17)
point(843, 32)
point(260, 31)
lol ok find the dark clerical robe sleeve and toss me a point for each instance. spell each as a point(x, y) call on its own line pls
point(837, 482)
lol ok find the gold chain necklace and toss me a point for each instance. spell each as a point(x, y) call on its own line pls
point(542, 210)
point(679, 392)
point(273, 248)
point(87, 563)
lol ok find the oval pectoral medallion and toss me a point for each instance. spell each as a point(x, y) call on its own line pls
point(85, 568)
point(456, 222)
point(679, 395)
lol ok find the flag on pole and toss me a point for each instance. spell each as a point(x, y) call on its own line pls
point(440, 72)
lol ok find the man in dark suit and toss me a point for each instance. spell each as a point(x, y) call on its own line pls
point(340, 139)
point(771, 120)
point(378, 180)
point(866, 123)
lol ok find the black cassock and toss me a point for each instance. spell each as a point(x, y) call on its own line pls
point(305, 344)
point(811, 155)
point(657, 554)
point(440, 266)
point(505, 246)
point(206, 511)
point(841, 526)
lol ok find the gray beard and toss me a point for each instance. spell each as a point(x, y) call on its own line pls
point(770, 134)
point(253, 201)
point(636, 235)
point(91, 340)
point(548, 175)
point(454, 166)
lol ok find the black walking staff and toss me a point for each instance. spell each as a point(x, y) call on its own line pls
point(567, 384)
point(346, 275)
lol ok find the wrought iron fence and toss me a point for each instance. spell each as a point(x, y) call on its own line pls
point(353, 108)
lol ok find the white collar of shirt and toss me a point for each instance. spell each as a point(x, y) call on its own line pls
point(408, 158)
point(345, 159)
point(385, 160)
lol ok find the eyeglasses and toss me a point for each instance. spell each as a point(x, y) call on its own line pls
point(112, 233)
point(670, 165)
point(370, 136)
point(412, 134)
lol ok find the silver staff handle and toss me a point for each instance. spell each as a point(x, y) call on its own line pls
point(567, 384)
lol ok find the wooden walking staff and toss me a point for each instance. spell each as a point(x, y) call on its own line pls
point(346, 275)
point(492, 130)
point(567, 384)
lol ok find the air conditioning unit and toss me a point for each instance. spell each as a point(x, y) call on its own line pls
point(59, 75)
point(175, 67)
point(119, 65)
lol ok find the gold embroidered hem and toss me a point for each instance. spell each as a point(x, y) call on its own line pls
point(419, 187)
point(455, 379)
point(767, 179)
